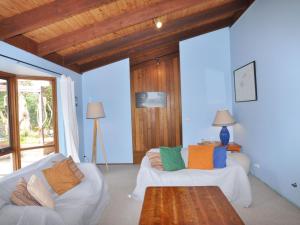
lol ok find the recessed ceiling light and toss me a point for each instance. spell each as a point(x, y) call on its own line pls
point(158, 23)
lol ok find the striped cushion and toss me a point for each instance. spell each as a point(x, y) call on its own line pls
point(21, 196)
point(72, 165)
point(155, 160)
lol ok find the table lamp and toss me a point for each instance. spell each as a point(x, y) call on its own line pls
point(95, 111)
point(224, 119)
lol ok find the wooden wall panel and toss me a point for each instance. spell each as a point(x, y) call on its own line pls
point(154, 127)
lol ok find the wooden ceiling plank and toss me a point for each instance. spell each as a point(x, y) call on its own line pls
point(116, 23)
point(44, 15)
point(154, 53)
point(143, 47)
point(152, 32)
point(177, 36)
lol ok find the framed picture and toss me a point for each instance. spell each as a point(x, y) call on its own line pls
point(150, 99)
point(245, 83)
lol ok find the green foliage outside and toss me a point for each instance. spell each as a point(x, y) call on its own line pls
point(3, 116)
point(33, 135)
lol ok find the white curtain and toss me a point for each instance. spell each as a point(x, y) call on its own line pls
point(69, 116)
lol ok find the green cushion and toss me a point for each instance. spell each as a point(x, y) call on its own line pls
point(171, 158)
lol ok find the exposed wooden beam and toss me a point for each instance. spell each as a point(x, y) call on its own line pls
point(239, 13)
point(24, 43)
point(59, 59)
point(44, 15)
point(29, 45)
point(169, 27)
point(116, 23)
point(168, 40)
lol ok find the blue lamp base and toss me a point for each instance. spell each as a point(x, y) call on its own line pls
point(224, 135)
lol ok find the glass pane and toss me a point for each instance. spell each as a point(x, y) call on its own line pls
point(6, 165)
point(35, 113)
point(4, 115)
point(30, 156)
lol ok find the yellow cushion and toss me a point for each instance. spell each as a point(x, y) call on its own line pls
point(60, 177)
point(201, 157)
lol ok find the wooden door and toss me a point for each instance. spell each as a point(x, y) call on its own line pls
point(155, 127)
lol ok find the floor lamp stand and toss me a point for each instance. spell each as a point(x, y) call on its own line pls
point(94, 153)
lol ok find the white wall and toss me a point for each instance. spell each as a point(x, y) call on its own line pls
point(205, 84)
point(268, 129)
point(111, 85)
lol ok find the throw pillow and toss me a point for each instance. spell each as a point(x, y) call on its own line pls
point(38, 190)
point(171, 158)
point(60, 177)
point(155, 160)
point(77, 172)
point(220, 155)
point(21, 196)
point(201, 157)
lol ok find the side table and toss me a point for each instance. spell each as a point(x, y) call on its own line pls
point(232, 146)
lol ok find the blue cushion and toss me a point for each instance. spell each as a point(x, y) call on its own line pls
point(220, 156)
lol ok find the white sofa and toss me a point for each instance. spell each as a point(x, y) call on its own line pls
point(232, 180)
point(82, 205)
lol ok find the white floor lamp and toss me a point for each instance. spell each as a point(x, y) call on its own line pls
point(95, 111)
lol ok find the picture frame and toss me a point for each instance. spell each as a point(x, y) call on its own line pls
point(150, 99)
point(245, 87)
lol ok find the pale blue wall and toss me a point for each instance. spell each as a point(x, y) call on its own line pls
point(269, 32)
point(205, 84)
point(11, 51)
point(111, 85)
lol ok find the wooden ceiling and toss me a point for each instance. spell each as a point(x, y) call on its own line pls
point(85, 34)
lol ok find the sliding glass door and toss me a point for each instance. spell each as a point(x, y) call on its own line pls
point(28, 120)
point(36, 119)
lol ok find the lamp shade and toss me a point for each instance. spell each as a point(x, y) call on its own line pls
point(95, 110)
point(223, 118)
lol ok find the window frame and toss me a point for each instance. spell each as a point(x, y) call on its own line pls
point(15, 147)
point(8, 77)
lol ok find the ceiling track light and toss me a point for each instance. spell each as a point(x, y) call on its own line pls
point(158, 23)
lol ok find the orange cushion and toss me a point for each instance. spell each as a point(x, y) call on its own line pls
point(60, 177)
point(201, 157)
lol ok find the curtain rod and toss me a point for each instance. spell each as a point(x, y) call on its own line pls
point(26, 63)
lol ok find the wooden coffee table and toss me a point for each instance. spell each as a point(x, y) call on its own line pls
point(187, 206)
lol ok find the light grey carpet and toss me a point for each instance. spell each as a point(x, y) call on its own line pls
point(268, 207)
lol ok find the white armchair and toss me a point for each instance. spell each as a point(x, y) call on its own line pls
point(82, 205)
